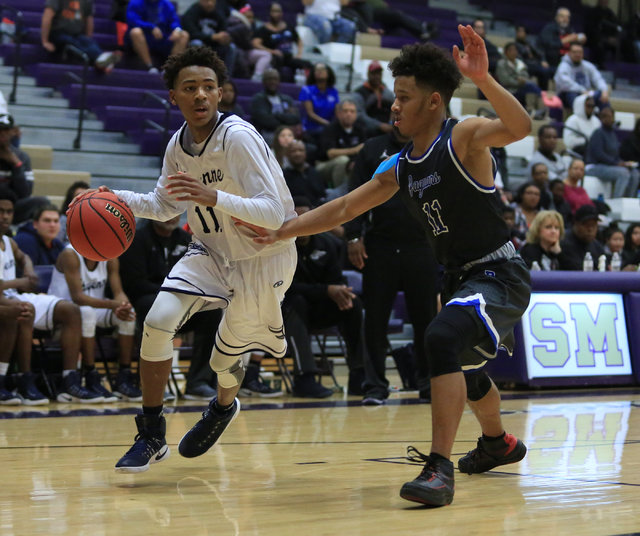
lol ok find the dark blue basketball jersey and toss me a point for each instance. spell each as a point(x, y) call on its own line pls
point(463, 219)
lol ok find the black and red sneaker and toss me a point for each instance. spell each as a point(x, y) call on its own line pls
point(434, 486)
point(486, 455)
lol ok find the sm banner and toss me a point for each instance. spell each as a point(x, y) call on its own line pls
point(576, 335)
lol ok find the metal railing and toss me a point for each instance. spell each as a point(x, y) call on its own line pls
point(16, 36)
point(74, 51)
point(167, 118)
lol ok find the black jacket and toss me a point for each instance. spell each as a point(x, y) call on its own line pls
point(318, 267)
point(263, 116)
point(389, 223)
point(575, 250)
point(18, 179)
point(149, 259)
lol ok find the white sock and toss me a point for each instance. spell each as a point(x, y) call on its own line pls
point(4, 368)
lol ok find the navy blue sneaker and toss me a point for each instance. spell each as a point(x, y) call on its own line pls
point(72, 390)
point(434, 486)
point(207, 430)
point(7, 398)
point(31, 395)
point(93, 384)
point(150, 445)
point(126, 386)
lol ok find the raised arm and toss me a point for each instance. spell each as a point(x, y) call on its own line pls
point(513, 122)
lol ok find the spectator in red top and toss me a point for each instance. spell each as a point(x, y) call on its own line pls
point(574, 193)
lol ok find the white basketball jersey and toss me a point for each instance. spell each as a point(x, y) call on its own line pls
point(237, 162)
point(8, 266)
point(94, 281)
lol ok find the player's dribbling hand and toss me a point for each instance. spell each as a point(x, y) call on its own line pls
point(473, 61)
point(258, 234)
point(86, 192)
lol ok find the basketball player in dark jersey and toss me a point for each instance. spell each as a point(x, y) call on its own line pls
point(446, 179)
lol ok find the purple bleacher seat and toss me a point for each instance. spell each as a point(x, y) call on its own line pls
point(54, 75)
point(106, 95)
point(131, 118)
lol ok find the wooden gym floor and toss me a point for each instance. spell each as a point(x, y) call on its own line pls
point(293, 467)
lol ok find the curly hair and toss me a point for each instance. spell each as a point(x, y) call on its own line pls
point(533, 234)
point(432, 66)
point(199, 56)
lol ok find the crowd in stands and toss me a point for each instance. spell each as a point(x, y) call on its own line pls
point(327, 144)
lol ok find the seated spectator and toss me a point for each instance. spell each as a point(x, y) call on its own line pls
point(580, 125)
point(630, 146)
point(154, 31)
point(66, 22)
point(155, 249)
point(546, 153)
point(511, 73)
point(391, 20)
point(251, 62)
point(48, 311)
point(556, 36)
point(340, 143)
point(207, 26)
point(374, 100)
point(533, 58)
point(574, 193)
point(540, 177)
point(39, 238)
point(603, 31)
point(16, 173)
point(492, 51)
point(16, 336)
point(74, 190)
point(85, 282)
point(319, 298)
point(577, 76)
point(527, 206)
point(302, 179)
point(229, 101)
point(604, 161)
point(119, 16)
point(631, 251)
point(613, 241)
point(319, 98)
point(282, 137)
point(282, 42)
point(582, 238)
point(323, 17)
point(559, 203)
point(271, 108)
point(509, 217)
point(543, 242)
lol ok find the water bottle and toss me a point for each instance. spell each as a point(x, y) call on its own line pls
point(602, 263)
point(535, 267)
point(616, 262)
point(300, 77)
point(587, 264)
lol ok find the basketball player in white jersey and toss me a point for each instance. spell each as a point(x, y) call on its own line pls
point(84, 282)
point(216, 166)
point(46, 311)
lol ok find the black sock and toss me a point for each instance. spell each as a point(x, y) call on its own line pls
point(220, 408)
point(88, 368)
point(435, 456)
point(494, 443)
point(124, 367)
point(152, 410)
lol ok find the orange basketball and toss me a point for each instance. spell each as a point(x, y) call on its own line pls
point(100, 226)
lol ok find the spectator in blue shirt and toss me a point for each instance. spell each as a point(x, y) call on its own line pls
point(319, 98)
point(154, 29)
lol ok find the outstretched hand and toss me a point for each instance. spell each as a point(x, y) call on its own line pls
point(473, 61)
point(258, 234)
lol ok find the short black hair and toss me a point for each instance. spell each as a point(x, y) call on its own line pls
point(432, 66)
point(45, 208)
point(507, 209)
point(199, 56)
point(7, 194)
point(553, 182)
point(548, 126)
point(69, 195)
